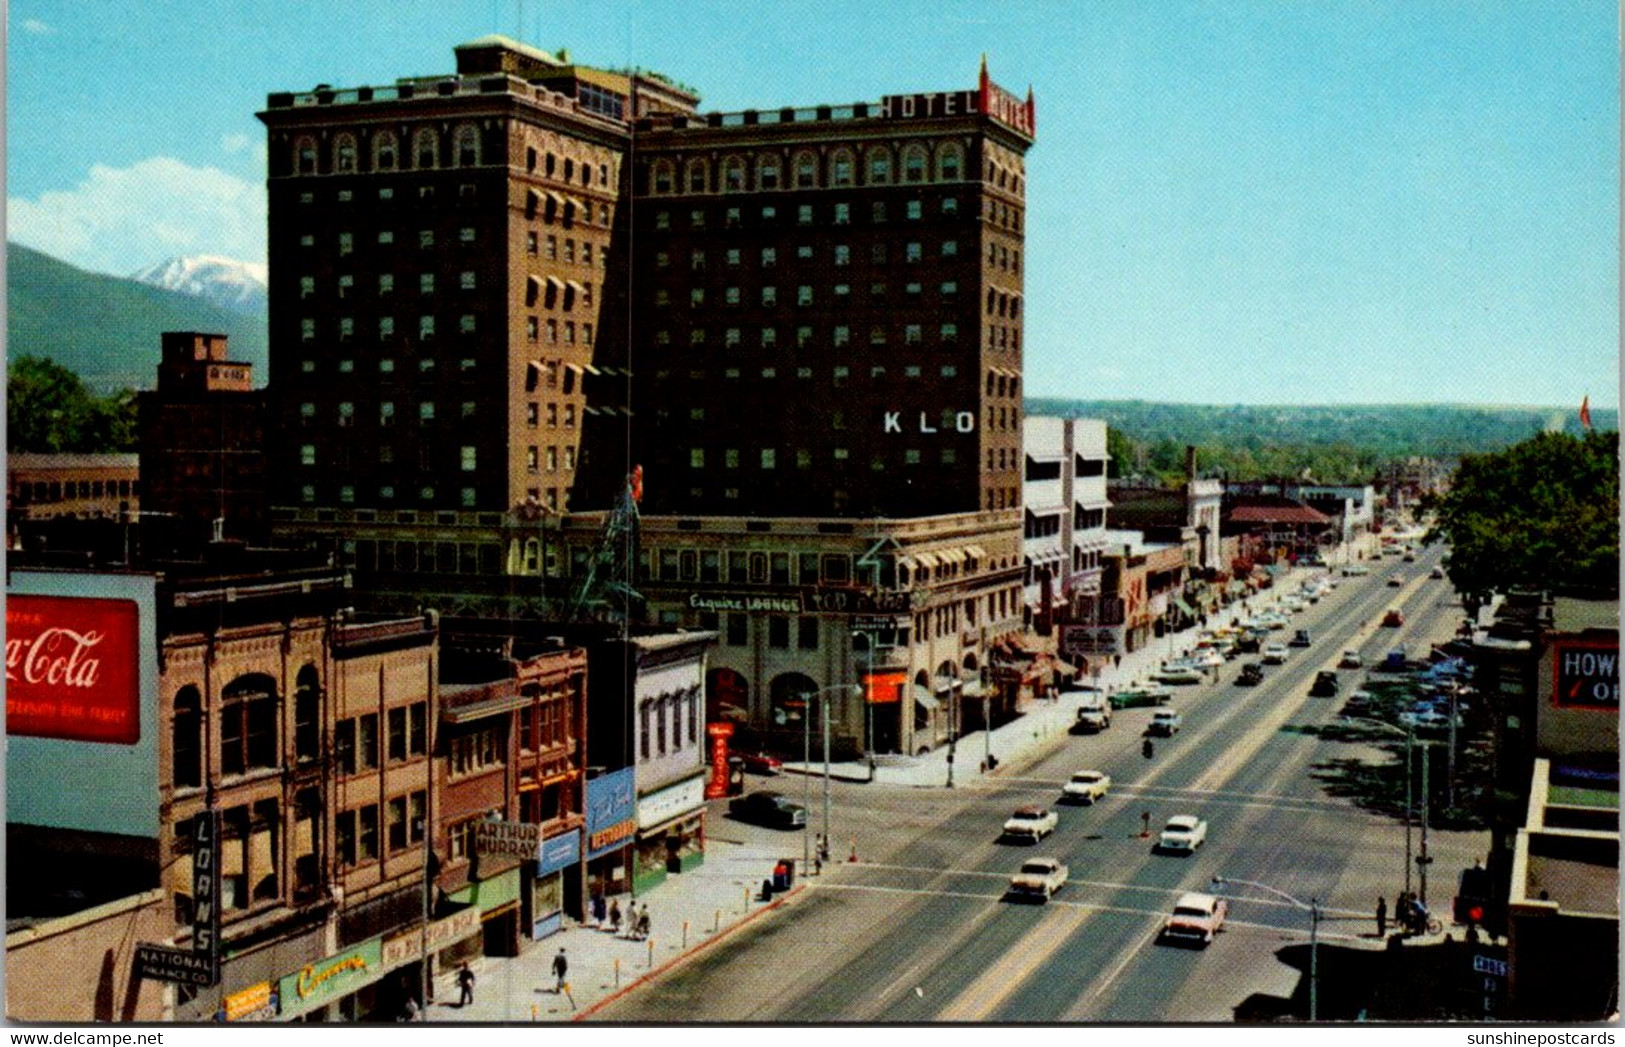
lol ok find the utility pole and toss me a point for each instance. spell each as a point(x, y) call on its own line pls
point(1422, 860)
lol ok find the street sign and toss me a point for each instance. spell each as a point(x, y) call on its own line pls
point(167, 964)
point(1490, 965)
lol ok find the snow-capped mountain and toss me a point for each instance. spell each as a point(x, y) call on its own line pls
point(228, 283)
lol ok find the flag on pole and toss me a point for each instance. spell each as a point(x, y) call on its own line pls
point(1585, 413)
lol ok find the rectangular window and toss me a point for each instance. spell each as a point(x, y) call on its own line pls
point(396, 824)
point(807, 633)
point(366, 741)
point(778, 631)
point(417, 729)
point(396, 720)
point(367, 833)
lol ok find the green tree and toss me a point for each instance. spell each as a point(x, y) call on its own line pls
point(1541, 514)
point(49, 411)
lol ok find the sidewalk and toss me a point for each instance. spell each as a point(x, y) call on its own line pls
point(1013, 741)
point(687, 912)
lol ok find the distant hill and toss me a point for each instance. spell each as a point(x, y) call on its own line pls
point(106, 329)
point(1380, 430)
point(234, 285)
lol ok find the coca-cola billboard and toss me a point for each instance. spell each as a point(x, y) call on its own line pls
point(73, 669)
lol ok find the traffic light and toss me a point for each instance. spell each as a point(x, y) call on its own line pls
point(1475, 914)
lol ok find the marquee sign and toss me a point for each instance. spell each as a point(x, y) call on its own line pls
point(716, 785)
point(72, 669)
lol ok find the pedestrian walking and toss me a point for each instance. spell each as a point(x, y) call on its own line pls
point(1382, 916)
point(598, 909)
point(615, 916)
point(561, 967)
point(643, 921)
point(465, 985)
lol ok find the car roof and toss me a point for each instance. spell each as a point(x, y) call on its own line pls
point(1030, 811)
point(1195, 900)
point(1053, 862)
point(1087, 774)
point(1183, 819)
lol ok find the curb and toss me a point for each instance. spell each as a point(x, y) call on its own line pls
point(681, 957)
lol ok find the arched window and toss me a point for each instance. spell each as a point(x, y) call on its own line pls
point(186, 739)
point(950, 162)
point(663, 176)
point(914, 164)
point(698, 176)
point(307, 715)
point(385, 151)
point(466, 144)
point(304, 156)
point(841, 171)
point(248, 724)
point(344, 154)
point(767, 173)
point(733, 175)
point(878, 164)
point(426, 149)
point(806, 170)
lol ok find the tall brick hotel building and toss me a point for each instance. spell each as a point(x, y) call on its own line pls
point(494, 292)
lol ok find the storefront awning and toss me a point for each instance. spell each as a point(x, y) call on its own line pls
point(977, 551)
point(925, 698)
point(460, 714)
point(925, 559)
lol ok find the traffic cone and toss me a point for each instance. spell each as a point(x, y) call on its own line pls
point(854, 850)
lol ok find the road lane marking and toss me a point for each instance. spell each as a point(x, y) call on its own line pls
point(1325, 910)
point(996, 984)
point(922, 892)
point(1128, 954)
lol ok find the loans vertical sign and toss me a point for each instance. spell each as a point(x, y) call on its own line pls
point(206, 888)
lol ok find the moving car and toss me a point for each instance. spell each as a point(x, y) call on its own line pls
point(1087, 786)
point(1437, 572)
point(1196, 917)
point(1325, 685)
point(1164, 722)
point(1038, 878)
point(1030, 823)
point(1252, 674)
point(1355, 570)
point(1409, 557)
point(1350, 660)
point(1184, 832)
point(1396, 581)
point(774, 810)
point(760, 763)
point(1274, 653)
point(1206, 658)
point(1135, 697)
point(1393, 619)
point(1300, 638)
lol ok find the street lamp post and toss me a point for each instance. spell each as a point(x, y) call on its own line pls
point(822, 696)
point(1313, 908)
point(1410, 807)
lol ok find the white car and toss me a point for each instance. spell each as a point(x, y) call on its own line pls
point(1030, 823)
point(1184, 832)
point(1038, 878)
point(1196, 917)
point(1178, 674)
point(1274, 653)
point(1088, 786)
point(1164, 722)
point(1355, 570)
point(1207, 658)
point(1350, 660)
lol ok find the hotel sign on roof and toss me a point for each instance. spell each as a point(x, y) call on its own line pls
point(988, 98)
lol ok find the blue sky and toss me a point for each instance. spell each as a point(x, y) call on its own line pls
point(1236, 202)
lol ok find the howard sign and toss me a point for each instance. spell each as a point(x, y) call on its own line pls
point(72, 669)
point(1585, 675)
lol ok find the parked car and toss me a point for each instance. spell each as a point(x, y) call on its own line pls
point(1396, 661)
point(1300, 638)
point(1274, 653)
point(1178, 674)
point(1437, 572)
point(1164, 723)
point(1325, 685)
point(1355, 570)
point(1135, 697)
point(1038, 878)
point(1183, 832)
point(760, 763)
point(774, 810)
point(1252, 674)
point(1249, 642)
point(1206, 658)
point(1393, 619)
point(1409, 557)
point(1196, 918)
point(1350, 660)
point(1030, 823)
point(1087, 786)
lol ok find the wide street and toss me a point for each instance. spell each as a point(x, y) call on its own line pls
point(918, 931)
